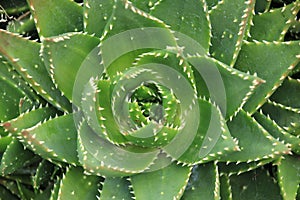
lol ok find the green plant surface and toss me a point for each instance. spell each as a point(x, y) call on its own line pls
point(149, 99)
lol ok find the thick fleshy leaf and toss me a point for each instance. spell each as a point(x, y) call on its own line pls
point(277, 132)
point(54, 139)
point(9, 75)
point(289, 176)
point(71, 60)
point(44, 173)
point(241, 167)
point(256, 183)
point(212, 138)
point(46, 14)
point(290, 87)
point(211, 4)
point(14, 6)
point(103, 158)
point(228, 35)
point(166, 183)
point(97, 14)
point(76, 185)
point(286, 117)
point(228, 88)
point(146, 5)
point(116, 188)
point(187, 17)
point(28, 119)
point(225, 189)
point(203, 183)
point(29, 64)
point(246, 130)
point(255, 58)
point(6, 194)
point(272, 26)
point(9, 101)
point(15, 157)
point(262, 6)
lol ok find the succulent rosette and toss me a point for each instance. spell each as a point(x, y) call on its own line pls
point(165, 99)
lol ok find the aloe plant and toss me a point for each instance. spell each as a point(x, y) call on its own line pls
point(152, 99)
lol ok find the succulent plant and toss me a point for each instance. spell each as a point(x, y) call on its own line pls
point(149, 99)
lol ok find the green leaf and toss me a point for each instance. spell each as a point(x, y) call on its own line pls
point(146, 5)
point(29, 64)
point(9, 101)
point(262, 6)
point(277, 132)
point(292, 88)
point(100, 157)
point(246, 130)
point(15, 157)
point(166, 183)
point(255, 58)
point(53, 139)
point(272, 25)
point(14, 6)
point(203, 183)
point(228, 88)
point(187, 17)
point(116, 188)
point(46, 14)
point(97, 15)
point(6, 194)
point(212, 138)
point(286, 117)
point(73, 54)
point(255, 184)
point(28, 119)
point(289, 176)
point(44, 174)
point(78, 186)
point(225, 188)
point(228, 35)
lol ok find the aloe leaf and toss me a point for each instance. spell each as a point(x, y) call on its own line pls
point(166, 183)
point(22, 26)
point(86, 186)
point(127, 17)
point(226, 87)
point(116, 188)
point(186, 23)
point(9, 75)
point(286, 117)
point(212, 138)
point(4, 142)
point(97, 14)
point(211, 4)
point(44, 173)
point(256, 183)
point(15, 157)
point(254, 57)
point(203, 183)
point(242, 167)
point(264, 147)
point(225, 188)
point(28, 119)
point(6, 194)
point(46, 13)
point(53, 139)
point(103, 158)
point(147, 5)
point(288, 176)
point(262, 6)
point(28, 63)
point(9, 101)
point(82, 62)
point(55, 190)
point(228, 35)
point(291, 87)
point(14, 6)
point(272, 26)
point(277, 132)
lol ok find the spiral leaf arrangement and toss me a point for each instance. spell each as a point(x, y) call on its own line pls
point(151, 99)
